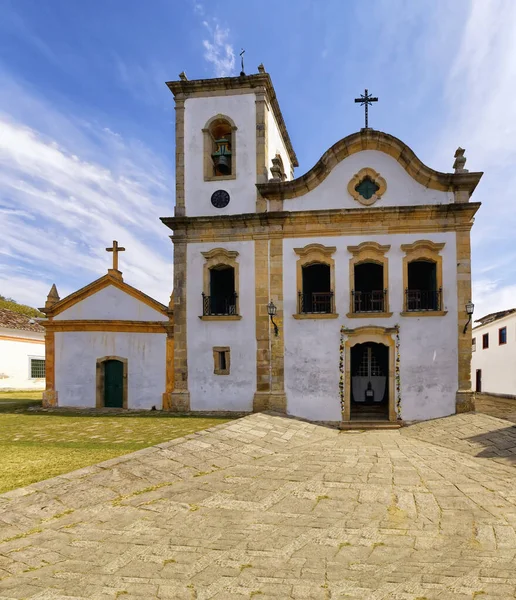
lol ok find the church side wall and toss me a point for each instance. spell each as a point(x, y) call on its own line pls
point(111, 303)
point(496, 362)
point(209, 391)
point(15, 359)
point(402, 189)
point(276, 145)
point(242, 110)
point(76, 358)
point(428, 345)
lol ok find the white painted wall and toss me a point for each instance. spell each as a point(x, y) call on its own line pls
point(207, 390)
point(497, 363)
point(76, 356)
point(428, 345)
point(111, 303)
point(402, 189)
point(15, 359)
point(276, 145)
point(242, 110)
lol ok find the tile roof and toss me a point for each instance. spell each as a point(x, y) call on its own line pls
point(494, 316)
point(13, 320)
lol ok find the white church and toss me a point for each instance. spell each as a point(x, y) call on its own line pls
point(340, 295)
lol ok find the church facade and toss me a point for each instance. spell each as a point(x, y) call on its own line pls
point(336, 296)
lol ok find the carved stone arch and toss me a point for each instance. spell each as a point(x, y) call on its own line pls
point(361, 335)
point(209, 145)
point(99, 395)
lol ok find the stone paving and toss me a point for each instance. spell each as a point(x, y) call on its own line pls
point(269, 507)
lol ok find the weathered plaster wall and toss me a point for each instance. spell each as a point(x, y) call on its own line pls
point(207, 390)
point(402, 189)
point(111, 303)
point(276, 145)
point(428, 345)
point(242, 110)
point(76, 358)
point(15, 359)
point(496, 362)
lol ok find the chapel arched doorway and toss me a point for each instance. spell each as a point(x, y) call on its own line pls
point(111, 382)
point(369, 371)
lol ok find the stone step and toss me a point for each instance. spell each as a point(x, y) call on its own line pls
point(370, 424)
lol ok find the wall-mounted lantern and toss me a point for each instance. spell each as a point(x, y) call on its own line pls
point(470, 307)
point(272, 310)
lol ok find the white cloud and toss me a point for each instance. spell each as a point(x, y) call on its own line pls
point(68, 187)
point(218, 51)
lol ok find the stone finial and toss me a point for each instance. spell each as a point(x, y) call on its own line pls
point(460, 161)
point(53, 297)
point(182, 76)
point(277, 169)
point(261, 68)
point(171, 302)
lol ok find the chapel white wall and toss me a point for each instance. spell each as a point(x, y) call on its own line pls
point(15, 359)
point(111, 303)
point(76, 355)
point(241, 109)
point(428, 345)
point(402, 189)
point(207, 390)
point(498, 362)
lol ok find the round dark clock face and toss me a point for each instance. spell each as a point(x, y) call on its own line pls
point(220, 199)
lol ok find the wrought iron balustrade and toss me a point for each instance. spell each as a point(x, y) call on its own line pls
point(219, 305)
point(315, 302)
point(364, 302)
point(423, 299)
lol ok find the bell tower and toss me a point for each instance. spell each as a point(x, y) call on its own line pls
point(230, 135)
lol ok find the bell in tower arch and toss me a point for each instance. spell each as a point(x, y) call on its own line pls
point(222, 157)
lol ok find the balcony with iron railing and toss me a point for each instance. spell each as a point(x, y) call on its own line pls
point(423, 300)
point(369, 302)
point(219, 305)
point(316, 303)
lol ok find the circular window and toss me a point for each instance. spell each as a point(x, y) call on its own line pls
point(220, 199)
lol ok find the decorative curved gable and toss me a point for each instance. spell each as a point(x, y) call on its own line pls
point(369, 139)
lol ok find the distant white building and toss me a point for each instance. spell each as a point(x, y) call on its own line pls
point(494, 353)
point(22, 352)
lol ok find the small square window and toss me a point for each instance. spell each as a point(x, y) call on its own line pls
point(473, 344)
point(502, 336)
point(221, 360)
point(37, 368)
point(485, 341)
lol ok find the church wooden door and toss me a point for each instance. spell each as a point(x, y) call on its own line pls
point(114, 384)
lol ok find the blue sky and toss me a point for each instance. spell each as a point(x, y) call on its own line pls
point(87, 123)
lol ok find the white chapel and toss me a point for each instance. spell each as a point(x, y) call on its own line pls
point(339, 295)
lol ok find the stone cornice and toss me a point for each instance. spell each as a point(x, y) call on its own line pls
point(369, 139)
point(400, 219)
point(200, 87)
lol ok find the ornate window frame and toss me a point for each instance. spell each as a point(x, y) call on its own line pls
point(99, 387)
point(214, 258)
point(361, 335)
point(309, 255)
point(358, 177)
point(364, 253)
point(429, 251)
point(208, 149)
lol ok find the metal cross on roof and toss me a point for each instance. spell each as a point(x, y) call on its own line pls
point(115, 250)
point(366, 100)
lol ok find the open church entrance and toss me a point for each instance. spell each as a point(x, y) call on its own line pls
point(369, 381)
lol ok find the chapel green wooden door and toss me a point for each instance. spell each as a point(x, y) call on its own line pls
point(114, 384)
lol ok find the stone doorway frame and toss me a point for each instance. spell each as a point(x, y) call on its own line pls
point(99, 399)
point(377, 335)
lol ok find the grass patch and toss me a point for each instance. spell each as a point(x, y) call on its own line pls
point(39, 445)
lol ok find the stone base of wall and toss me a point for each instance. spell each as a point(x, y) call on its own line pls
point(275, 401)
point(493, 396)
point(49, 399)
point(464, 402)
point(176, 401)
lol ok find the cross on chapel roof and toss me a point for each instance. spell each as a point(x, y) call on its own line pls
point(115, 250)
